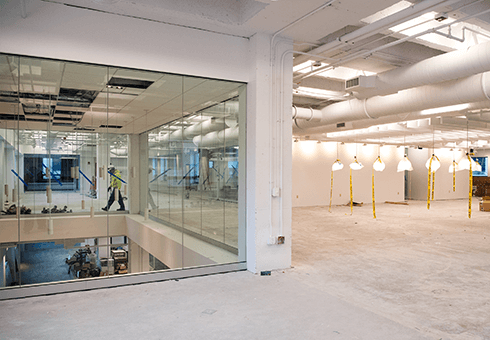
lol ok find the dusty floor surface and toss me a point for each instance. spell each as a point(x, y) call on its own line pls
point(426, 269)
point(410, 274)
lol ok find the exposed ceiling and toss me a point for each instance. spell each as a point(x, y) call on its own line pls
point(329, 31)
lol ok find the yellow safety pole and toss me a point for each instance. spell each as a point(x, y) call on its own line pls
point(433, 183)
point(428, 184)
point(351, 202)
point(331, 191)
point(470, 189)
point(454, 175)
point(374, 208)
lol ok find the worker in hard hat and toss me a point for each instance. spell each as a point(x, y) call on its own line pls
point(115, 184)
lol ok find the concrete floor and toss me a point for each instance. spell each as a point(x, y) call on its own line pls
point(409, 274)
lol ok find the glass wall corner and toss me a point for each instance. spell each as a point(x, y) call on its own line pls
point(109, 171)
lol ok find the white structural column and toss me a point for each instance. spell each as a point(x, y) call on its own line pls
point(268, 157)
point(102, 162)
point(133, 174)
point(139, 259)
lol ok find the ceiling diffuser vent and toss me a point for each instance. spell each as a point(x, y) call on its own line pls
point(360, 82)
point(351, 83)
point(84, 129)
point(111, 126)
point(129, 83)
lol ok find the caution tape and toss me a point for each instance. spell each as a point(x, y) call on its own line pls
point(454, 176)
point(351, 202)
point(331, 192)
point(433, 183)
point(374, 208)
point(470, 189)
point(428, 184)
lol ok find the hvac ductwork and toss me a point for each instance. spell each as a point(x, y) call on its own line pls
point(202, 128)
point(226, 137)
point(472, 89)
point(377, 27)
point(445, 67)
point(410, 116)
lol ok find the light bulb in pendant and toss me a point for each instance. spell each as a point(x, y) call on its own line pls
point(337, 165)
point(379, 165)
point(355, 165)
point(436, 164)
point(404, 165)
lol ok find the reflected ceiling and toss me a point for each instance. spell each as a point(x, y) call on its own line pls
point(80, 97)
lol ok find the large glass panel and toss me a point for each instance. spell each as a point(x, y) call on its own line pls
point(116, 171)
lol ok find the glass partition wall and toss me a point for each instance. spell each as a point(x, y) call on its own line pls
point(110, 171)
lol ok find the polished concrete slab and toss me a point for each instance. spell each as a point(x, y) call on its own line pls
point(426, 269)
point(412, 273)
point(232, 306)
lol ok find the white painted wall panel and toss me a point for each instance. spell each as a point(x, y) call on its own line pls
point(62, 32)
point(312, 163)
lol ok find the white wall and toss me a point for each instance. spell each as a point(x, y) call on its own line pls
point(443, 188)
point(62, 32)
point(312, 164)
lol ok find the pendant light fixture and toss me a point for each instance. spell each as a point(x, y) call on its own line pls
point(356, 165)
point(404, 164)
point(337, 165)
point(464, 164)
point(432, 164)
point(436, 163)
point(379, 165)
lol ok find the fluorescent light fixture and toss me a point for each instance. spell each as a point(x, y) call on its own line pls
point(339, 72)
point(337, 165)
point(307, 66)
point(436, 164)
point(451, 108)
point(355, 165)
point(404, 165)
point(379, 165)
point(319, 93)
point(387, 11)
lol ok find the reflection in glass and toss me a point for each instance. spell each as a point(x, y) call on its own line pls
point(64, 125)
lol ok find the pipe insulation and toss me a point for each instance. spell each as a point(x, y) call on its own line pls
point(410, 116)
point(377, 27)
point(190, 132)
point(226, 137)
point(308, 114)
point(471, 89)
point(441, 68)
